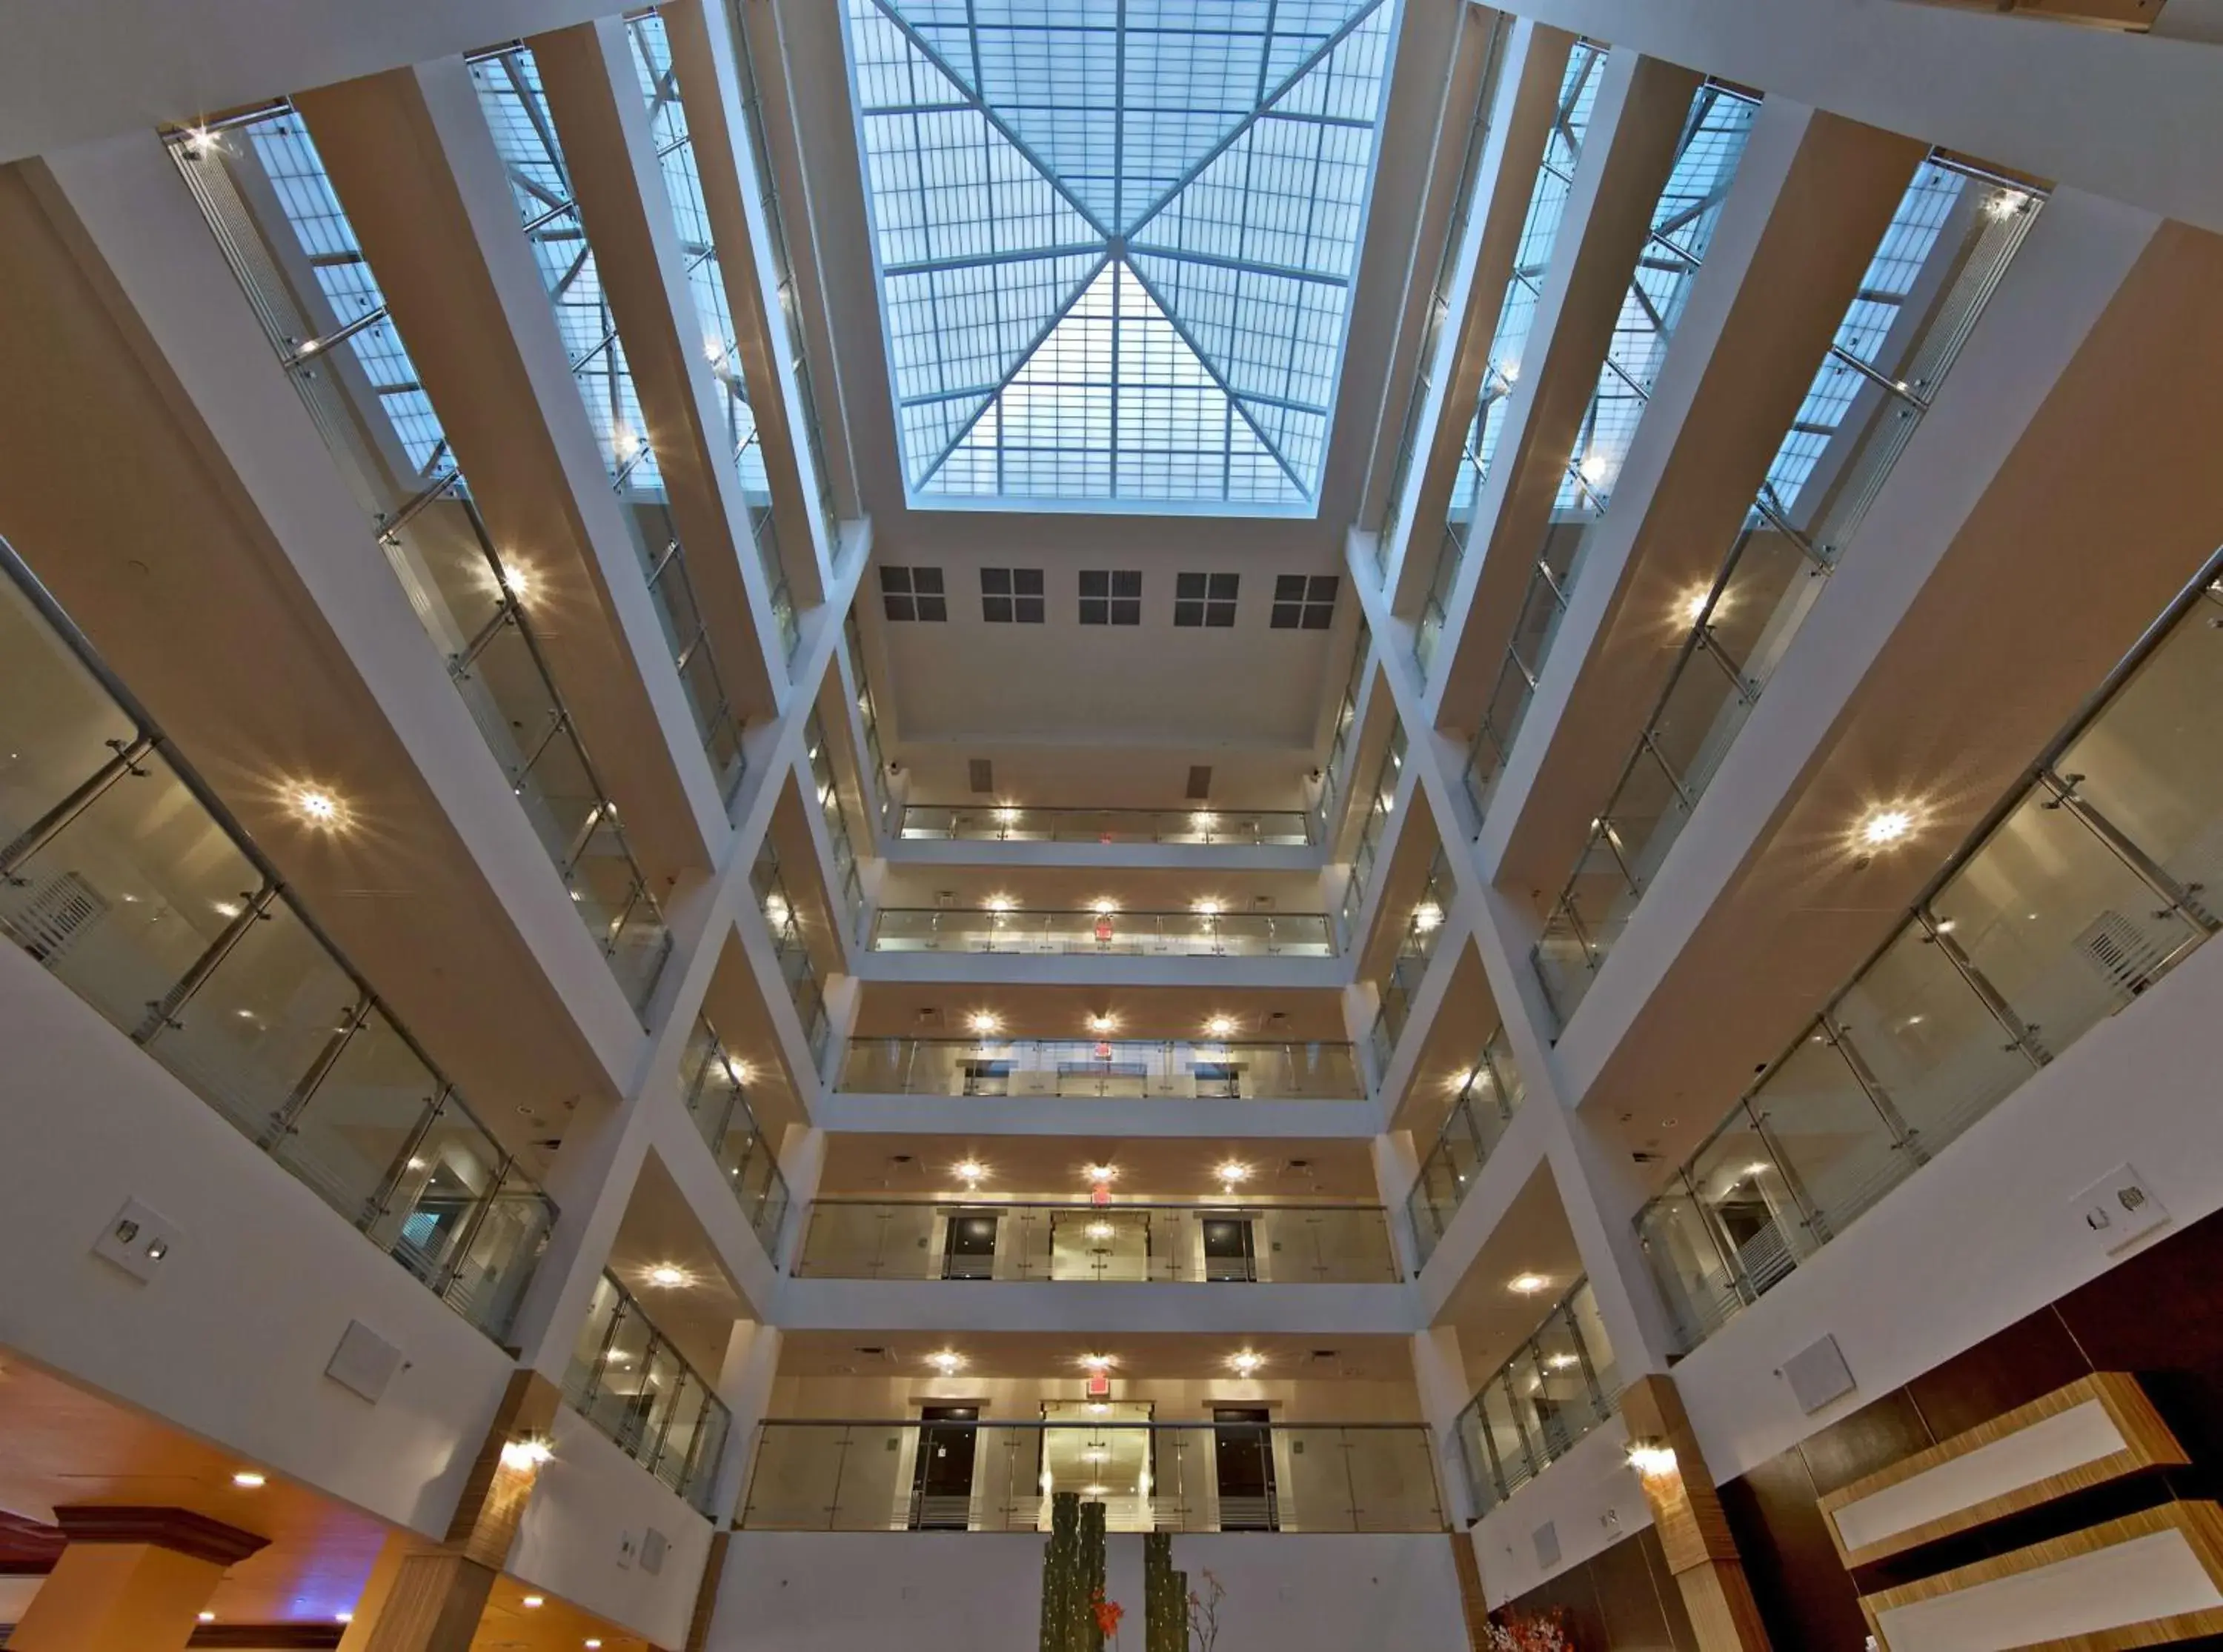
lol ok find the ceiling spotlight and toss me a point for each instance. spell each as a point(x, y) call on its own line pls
point(342, 1617)
point(1527, 1284)
point(665, 1277)
point(248, 1480)
point(592, 1646)
point(948, 1361)
point(1104, 906)
point(318, 808)
point(970, 1171)
point(982, 1022)
point(775, 911)
point(1428, 916)
point(1221, 1026)
point(533, 1603)
point(208, 1617)
point(1885, 828)
point(1006, 814)
point(517, 581)
point(1099, 1173)
point(1693, 608)
point(1101, 1025)
point(1204, 820)
point(999, 904)
point(1246, 1363)
point(1562, 1362)
point(1208, 908)
point(1233, 1170)
point(1098, 1362)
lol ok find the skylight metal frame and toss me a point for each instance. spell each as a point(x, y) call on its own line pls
point(1261, 307)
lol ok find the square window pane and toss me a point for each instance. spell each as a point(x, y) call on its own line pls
point(995, 582)
point(933, 608)
point(1285, 616)
point(1030, 611)
point(1093, 612)
point(1224, 584)
point(1318, 618)
point(1188, 613)
point(894, 579)
point(1189, 585)
point(1126, 585)
point(1094, 582)
point(899, 607)
point(924, 579)
point(996, 609)
point(1323, 587)
point(1288, 587)
point(1027, 581)
point(1126, 613)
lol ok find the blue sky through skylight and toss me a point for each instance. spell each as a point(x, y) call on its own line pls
point(1116, 244)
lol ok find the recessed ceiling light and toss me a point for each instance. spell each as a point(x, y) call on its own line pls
point(533, 1602)
point(1104, 907)
point(1101, 1024)
point(1099, 1361)
point(1246, 1362)
point(342, 1617)
point(665, 1276)
point(250, 1480)
point(316, 806)
point(1204, 820)
point(1693, 608)
point(1099, 1173)
point(1428, 916)
point(1221, 1026)
point(970, 1170)
point(999, 904)
point(1232, 1170)
point(1883, 827)
point(1527, 1284)
point(208, 1617)
point(982, 1022)
point(948, 1361)
point(1208, 909)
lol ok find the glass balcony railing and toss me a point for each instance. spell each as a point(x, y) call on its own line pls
point(715, 1087)
point(1681, 234)
point(828, 792)
point(795, 966)
point(2089, 884)
point(868, 718)
point(540, 189)
point(1006, 824)
point(1448, 266)
point(475, 604)
point(1335, 772)
point(1176, 1068)
point(1105, 934)
point(639, 1391)
point(1559, 1386)
point(1250, 1477)
point(1949, 242)
point(1524, 285)
point(1411, 963)
point(1381, 803)
point(1133, 1244)
point(1488, 1098)
point(122, 875)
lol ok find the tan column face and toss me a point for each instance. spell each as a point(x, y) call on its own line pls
point(118, 1598)
point(502, 1479)
point(434, 1605)
point(1686, 1510)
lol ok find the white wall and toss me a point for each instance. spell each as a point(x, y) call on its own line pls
point(230, 1339)
point(591, 1498)
point(815, 1591)
point(1590, 1498)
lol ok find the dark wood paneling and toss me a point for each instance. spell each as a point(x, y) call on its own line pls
point(2029, 1360)
point(1804, 1596)
point(1627, 1599)
point(1876, 1436)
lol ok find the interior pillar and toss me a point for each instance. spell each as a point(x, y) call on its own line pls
point(1686, 1510)
point(132, 1579)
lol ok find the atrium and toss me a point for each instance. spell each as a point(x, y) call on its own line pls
point(1339, 823)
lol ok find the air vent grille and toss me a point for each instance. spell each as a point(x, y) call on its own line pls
point(1200, 782)
point(980, 774)
point(48, 923)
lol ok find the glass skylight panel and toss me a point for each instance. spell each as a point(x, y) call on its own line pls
point(1683, 223)
point(289, 159)
point(1117, 243)
point(1898, 260)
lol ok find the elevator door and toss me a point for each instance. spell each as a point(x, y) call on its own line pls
point(941, 1483)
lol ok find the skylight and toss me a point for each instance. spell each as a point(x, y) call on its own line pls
point(1116, 244)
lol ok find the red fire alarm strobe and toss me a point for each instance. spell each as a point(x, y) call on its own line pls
point(1099, 1386)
